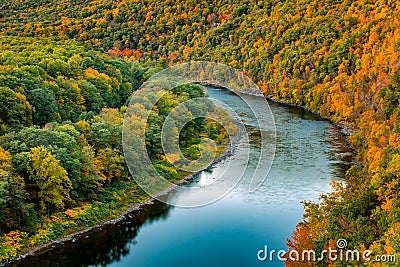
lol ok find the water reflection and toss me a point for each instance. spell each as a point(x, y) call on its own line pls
point(310, 152)
point(100, 247)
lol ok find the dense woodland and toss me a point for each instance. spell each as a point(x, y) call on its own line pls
point(337, 58)
point(61, 156)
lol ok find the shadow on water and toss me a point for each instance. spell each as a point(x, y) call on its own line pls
point(342, 155)
point(99, 247)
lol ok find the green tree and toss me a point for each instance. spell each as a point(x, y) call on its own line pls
point(90, 180)
point(92, 96)
point(15, 111)
point(13, 205)
point(51, 179)
point(45, 107)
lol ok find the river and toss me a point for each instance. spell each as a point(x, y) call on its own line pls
point(310, 152)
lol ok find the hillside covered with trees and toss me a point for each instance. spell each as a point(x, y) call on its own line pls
point(340, 59)
point(61, 156)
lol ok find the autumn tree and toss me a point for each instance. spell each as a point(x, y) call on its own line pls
point(13, 196)
point(51, 180)
point(90, 180)
point(15, 111)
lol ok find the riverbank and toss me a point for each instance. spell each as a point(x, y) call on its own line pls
point(75, 234)
point(345, 129)
point(131, 211)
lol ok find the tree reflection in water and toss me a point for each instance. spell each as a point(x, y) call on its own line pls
point(99, 247)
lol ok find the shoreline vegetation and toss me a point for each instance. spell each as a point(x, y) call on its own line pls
point(64, 63)
point(345, 129)
point(76, 234)
point(61, 161)
point(135, 207)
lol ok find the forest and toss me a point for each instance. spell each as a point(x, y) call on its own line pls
point(339, 59)
point(62, 164)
